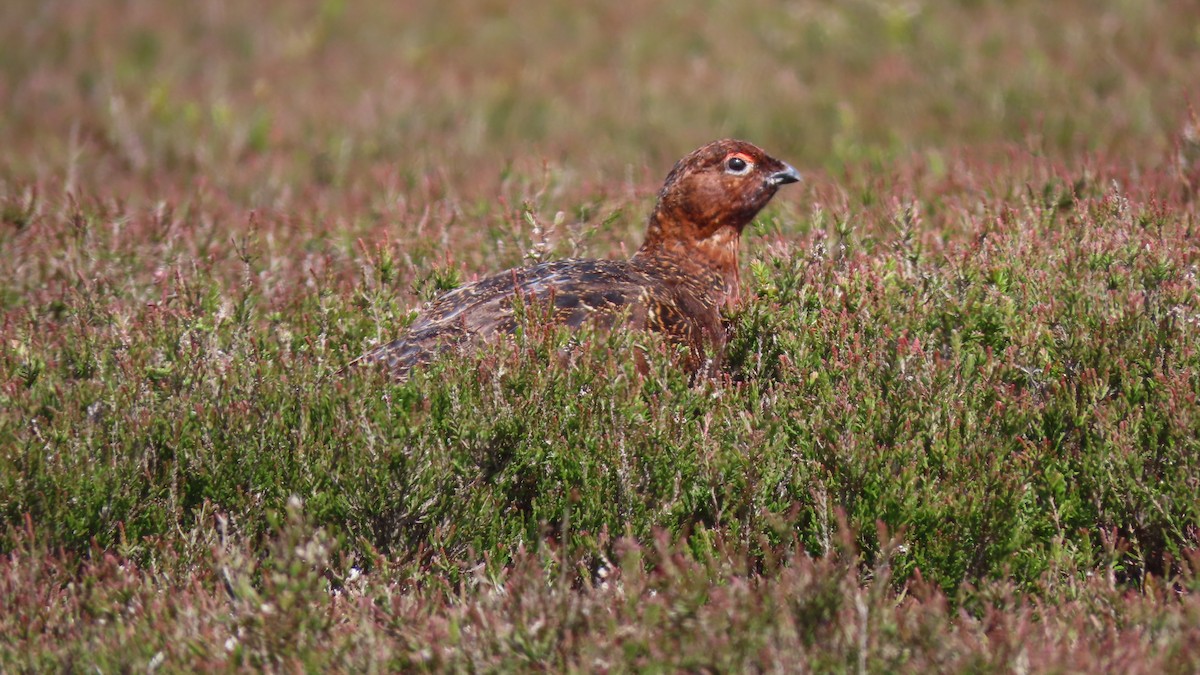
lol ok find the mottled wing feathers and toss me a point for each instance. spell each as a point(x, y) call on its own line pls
point(567, 292)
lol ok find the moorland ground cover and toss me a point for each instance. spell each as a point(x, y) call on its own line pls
point(957, 429)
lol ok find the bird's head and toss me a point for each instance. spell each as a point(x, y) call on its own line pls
point(713, 193)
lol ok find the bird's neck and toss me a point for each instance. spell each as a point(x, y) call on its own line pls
point(711, 259)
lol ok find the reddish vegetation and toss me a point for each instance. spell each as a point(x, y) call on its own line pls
point(961, 427)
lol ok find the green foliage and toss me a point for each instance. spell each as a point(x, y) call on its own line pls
point(955, 428)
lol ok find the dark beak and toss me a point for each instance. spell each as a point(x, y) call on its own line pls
point(788, 175)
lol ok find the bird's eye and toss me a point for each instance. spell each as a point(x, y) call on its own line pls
point(737, 165)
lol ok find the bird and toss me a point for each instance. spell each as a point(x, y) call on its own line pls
point(676, 283)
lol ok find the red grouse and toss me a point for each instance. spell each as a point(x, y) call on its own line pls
point(676, 283)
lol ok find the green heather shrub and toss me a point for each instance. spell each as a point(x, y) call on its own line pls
point(955, 428)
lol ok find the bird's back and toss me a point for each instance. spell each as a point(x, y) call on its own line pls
point(568, 292)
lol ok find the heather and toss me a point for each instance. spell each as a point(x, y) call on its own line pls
point(956, 429)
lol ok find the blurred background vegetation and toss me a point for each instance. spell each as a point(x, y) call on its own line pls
point(263, 101)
